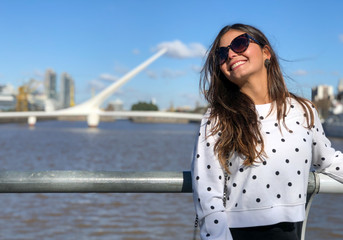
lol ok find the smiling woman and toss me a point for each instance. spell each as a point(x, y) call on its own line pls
point(256, 143)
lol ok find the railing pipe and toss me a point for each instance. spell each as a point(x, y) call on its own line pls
point(121, 182)
point(86, 181)
point(329, 185)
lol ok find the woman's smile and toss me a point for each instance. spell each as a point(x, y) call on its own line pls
point(236, 65)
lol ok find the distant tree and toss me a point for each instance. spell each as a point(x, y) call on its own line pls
point(144, 106)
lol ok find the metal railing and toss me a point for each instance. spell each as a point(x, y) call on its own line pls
point(94, 182)
point(120, 182)
point(131, 182)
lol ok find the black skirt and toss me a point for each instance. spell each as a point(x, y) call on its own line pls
point(280, 231)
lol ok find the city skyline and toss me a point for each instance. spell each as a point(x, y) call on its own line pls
point(98, 42)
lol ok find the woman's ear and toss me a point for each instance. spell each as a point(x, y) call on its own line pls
point(266, 52)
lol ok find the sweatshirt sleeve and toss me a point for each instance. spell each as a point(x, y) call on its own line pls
point(325, 159)
point(208, 187)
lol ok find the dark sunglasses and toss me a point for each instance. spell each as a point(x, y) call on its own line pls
point(238, 45)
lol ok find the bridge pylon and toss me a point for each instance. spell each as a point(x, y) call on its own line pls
point(91, 107)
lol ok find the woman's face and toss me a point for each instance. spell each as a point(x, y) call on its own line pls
point(240, 68)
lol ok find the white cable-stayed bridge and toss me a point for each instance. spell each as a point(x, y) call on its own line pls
point(91, 108)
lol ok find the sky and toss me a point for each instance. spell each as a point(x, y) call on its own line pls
point(98, 42)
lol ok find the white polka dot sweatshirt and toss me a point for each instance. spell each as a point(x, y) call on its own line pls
point(270, 191)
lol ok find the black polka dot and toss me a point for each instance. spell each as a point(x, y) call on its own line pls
point(314, 144)
point(275, 124)
point(261, 117)
point(254, 177)
point(292, 106)
point(236, 204)
point(287, 160)
point(216, 221)
point(337, 168)
point(278, 196)
point(298, 172)
point(208, 166)
point(267, 132)
point(306, 161)
point(198, 199)
point(297, 149)
point(208, 122)
point(298, 122)
point(277, 173)
point(220, 177)
point(299, 195)
point(241, 169)
point(258, 200)
point(208, 235)
point(209, 189)
point(268, 186)
point(323, 158)
point(219, 134)
point(234, 185)
point(197, 178)
point(198, 155)
point(208, 144)
point(283, 140)
point(290, 184)
point(304, 139)
point(264, 163)
point(212, 207)
point(244, 191)
point(274, 150)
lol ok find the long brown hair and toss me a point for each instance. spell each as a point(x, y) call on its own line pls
point(233, 112)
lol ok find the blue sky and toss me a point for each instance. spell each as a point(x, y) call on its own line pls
point(97, 42)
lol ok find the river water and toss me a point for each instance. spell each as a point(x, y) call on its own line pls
point(115, 146)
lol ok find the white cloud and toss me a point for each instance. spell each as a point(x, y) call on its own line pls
point(96, 85)
point(196, 68)
point(136, 51)
point(151, 74)
point(121, 69)
point(99, 83)
point(300, 72)
point(108, 77)
point(340, 38)
point(39, 74)
point(178, 49)
point(169, 73)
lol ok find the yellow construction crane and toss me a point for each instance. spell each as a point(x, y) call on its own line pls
point(22, 101)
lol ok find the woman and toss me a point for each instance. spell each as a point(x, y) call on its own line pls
point(256, 143)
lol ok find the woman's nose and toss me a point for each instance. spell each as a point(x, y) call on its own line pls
point(231, 54)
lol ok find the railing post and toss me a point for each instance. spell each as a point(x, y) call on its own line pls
point(312, 190)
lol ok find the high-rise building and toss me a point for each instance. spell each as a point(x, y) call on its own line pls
point(322, 97)
point(67, 91)
point(50, 84)
point(322, 92)
point(340, 86)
